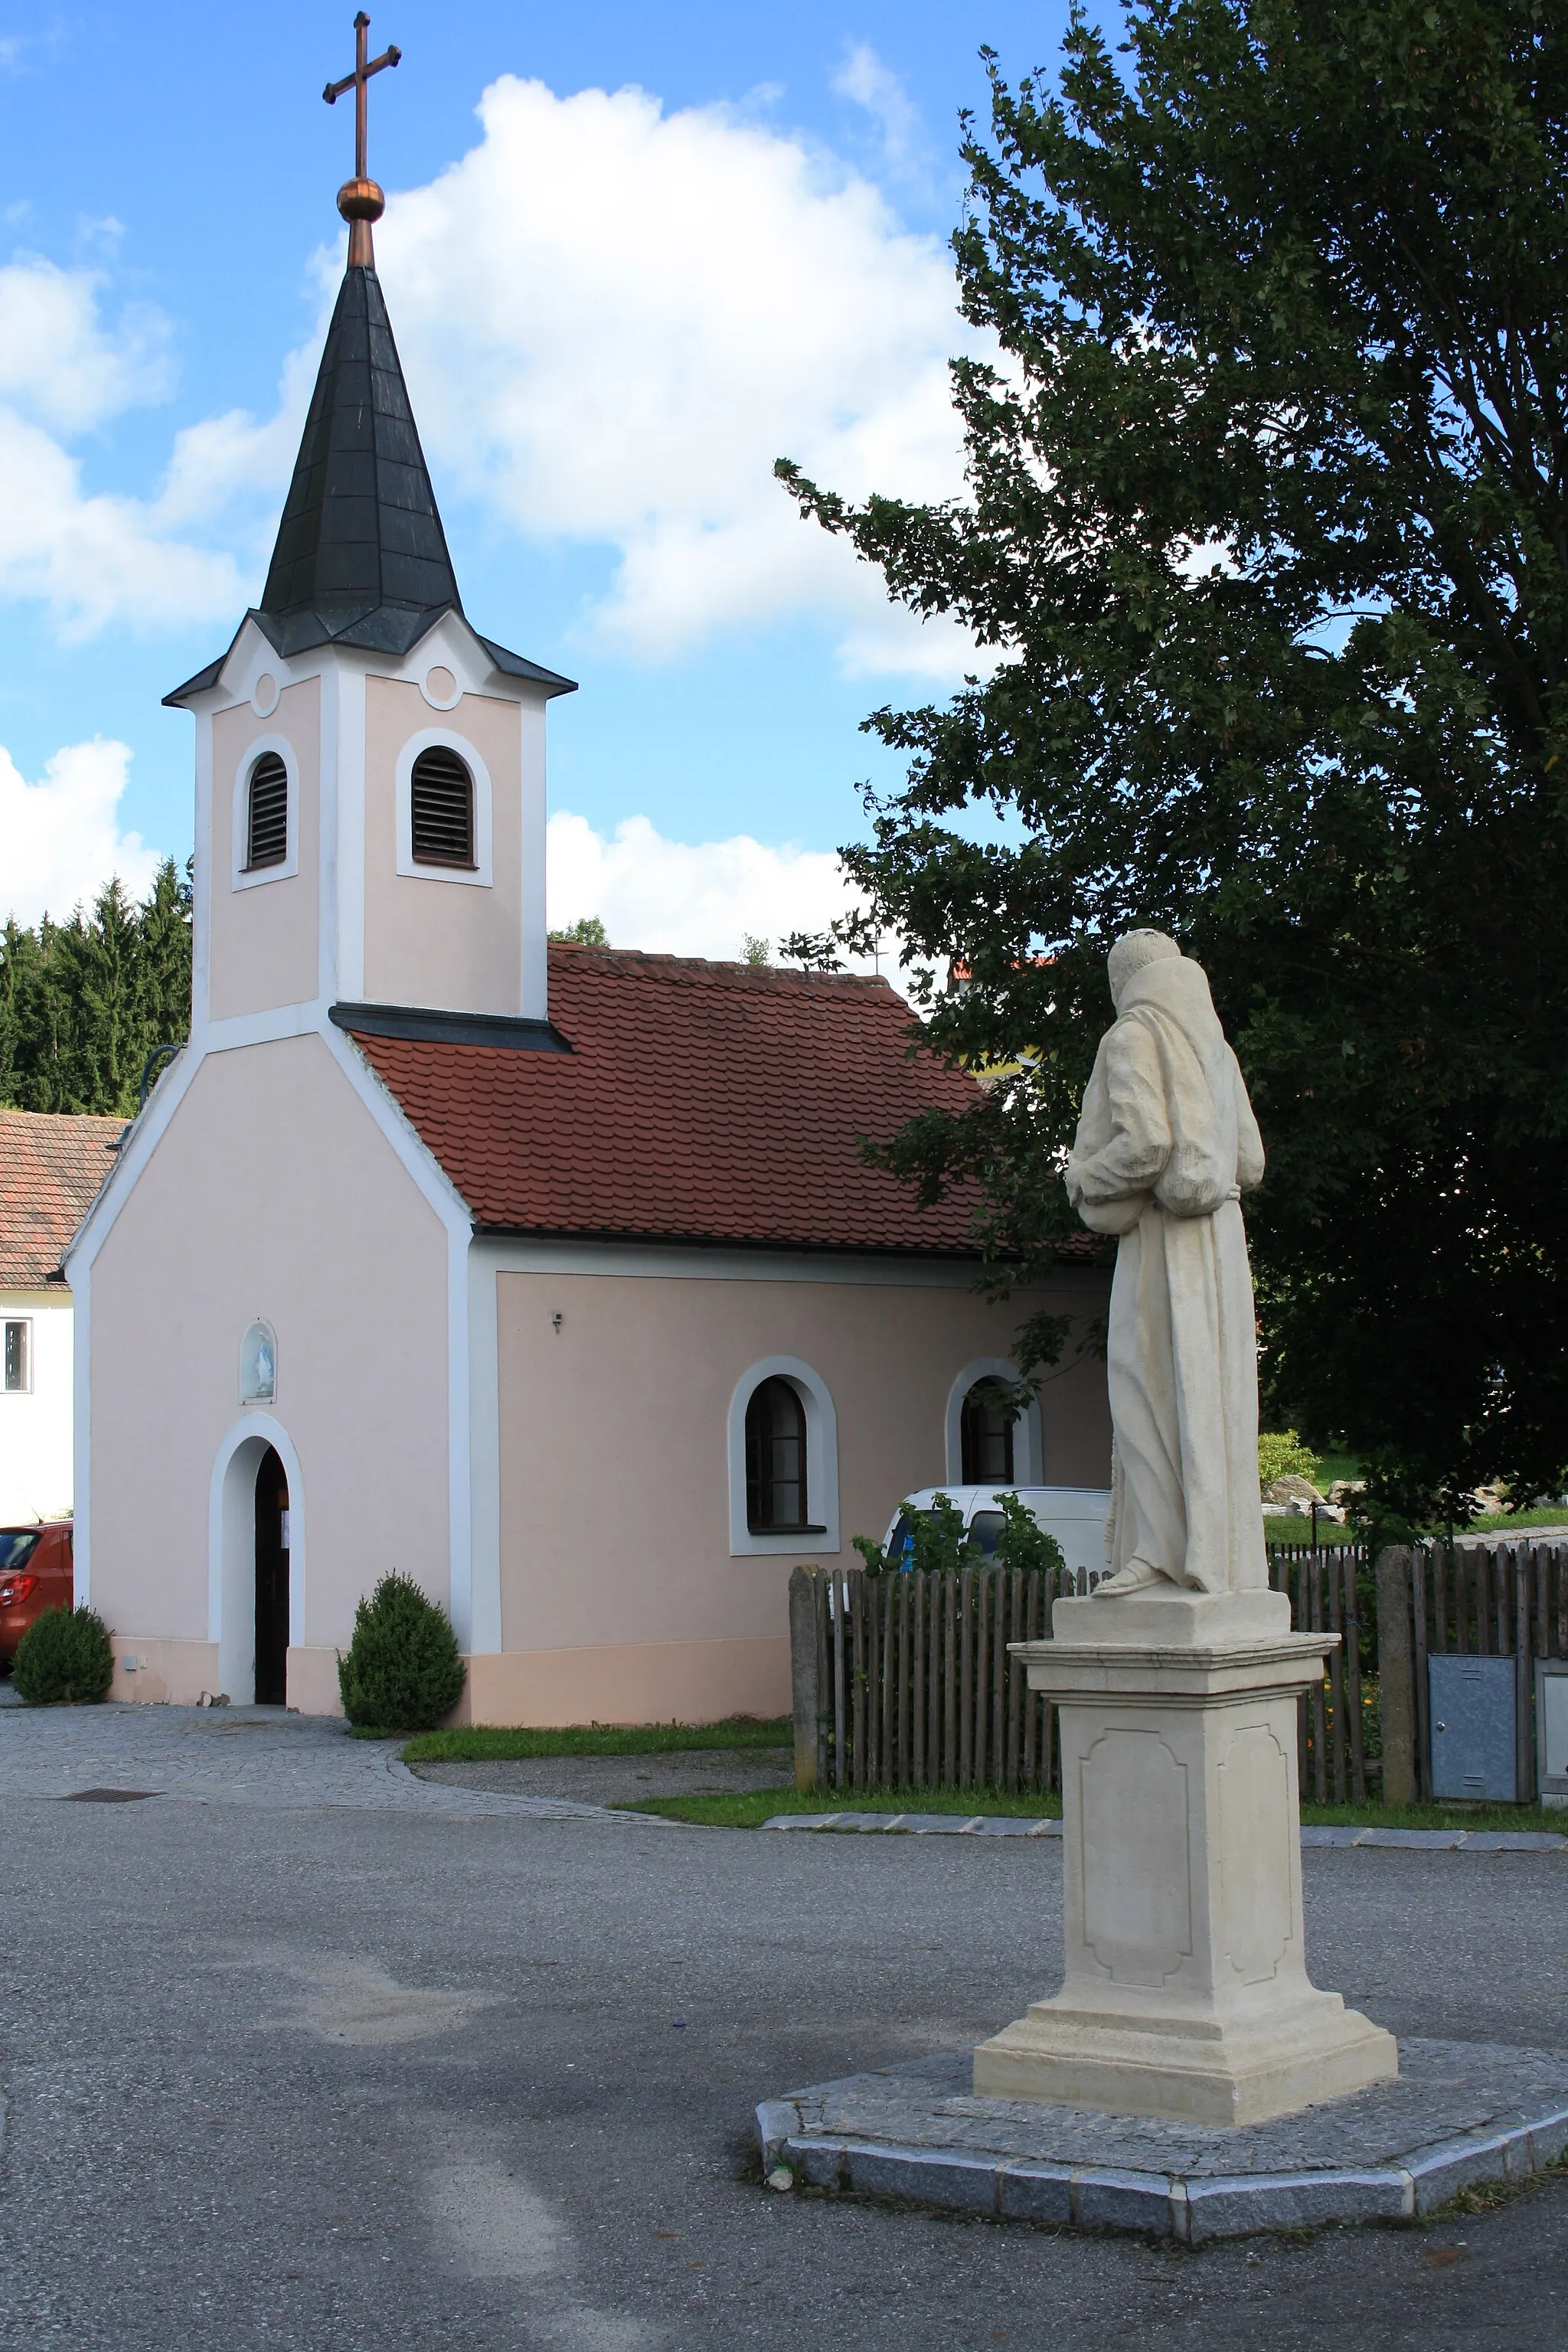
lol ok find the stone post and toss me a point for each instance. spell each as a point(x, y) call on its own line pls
point(1396, 1675)
point(1186, 1991)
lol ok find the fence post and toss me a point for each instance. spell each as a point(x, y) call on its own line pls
point(1396, 1676)
point(803, 1674)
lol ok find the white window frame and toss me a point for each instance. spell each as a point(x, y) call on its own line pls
point(1029, 1441)
point(239, 832)
point(26, 1387)
point(445, 738)
point(821, 1462)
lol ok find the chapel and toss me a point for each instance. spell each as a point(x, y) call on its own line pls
point(548, 1275)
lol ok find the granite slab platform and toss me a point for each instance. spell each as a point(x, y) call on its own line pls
point(1460, 2112)
point(1018, 1825)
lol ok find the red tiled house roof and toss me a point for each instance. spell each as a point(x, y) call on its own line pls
point(50, 1170)
point(708, 1102)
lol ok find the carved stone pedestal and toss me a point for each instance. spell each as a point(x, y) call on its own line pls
point(1186, 1990)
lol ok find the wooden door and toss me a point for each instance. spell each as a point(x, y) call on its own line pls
point(271, 1582)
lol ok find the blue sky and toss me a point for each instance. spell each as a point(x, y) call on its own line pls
point(615, 310)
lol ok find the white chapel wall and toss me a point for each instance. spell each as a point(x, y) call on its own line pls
point(431, 938)
point(272, 1194)
point(265, 949)
point(620, 1596)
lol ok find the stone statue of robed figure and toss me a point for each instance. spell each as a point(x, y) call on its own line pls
point(1176, 1684)
point(1167, 1145)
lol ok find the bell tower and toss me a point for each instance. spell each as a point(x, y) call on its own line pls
point(370, 771)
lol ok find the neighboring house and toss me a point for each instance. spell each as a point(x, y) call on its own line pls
point(50, 1170)
point(551, 1277)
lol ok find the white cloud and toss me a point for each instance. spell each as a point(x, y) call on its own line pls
point(60, 839)
point(614, 320)
point(59, 363)
point(682, 897)
point(864, 78)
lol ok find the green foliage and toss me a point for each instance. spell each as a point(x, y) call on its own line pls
point(1022, 1542)
point(938, 1542)
point(83, 1003)
point(65, 1655)
point(402, 1671)
point(1281, 1455)
point(754, 950)
point(1264, 539)
point(587, 932)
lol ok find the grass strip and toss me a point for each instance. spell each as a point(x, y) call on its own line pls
point(487, 1744)
point(759, 1805)
point(750, 1812)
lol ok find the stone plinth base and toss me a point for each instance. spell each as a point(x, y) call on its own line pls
point(1186, 1992)
point(1460, 2112)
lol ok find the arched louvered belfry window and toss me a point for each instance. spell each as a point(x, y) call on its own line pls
point(441, 808)
point(267, 814)
point(775, 1459)
point(986, 1437)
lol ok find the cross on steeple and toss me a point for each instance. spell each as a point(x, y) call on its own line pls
point(360, 201)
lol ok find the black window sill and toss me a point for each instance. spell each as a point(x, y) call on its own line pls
point(752, 1530)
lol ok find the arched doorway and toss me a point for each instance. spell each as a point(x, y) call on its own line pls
point(272, 1580)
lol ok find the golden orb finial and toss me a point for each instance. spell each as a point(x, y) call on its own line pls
point(360, 201)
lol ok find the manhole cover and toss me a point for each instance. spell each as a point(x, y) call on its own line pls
point(109, 1796)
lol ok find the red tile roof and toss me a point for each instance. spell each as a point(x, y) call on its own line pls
point(711, 1102)
point(50, 1170)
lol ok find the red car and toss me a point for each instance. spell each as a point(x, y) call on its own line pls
point(35, 1574)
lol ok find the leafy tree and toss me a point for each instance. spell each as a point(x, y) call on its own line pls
point(1024, 1543)
point(587, 932)
point(83, 1003)
point(1267, 541)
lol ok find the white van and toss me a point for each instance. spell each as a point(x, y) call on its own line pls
point(1076, 1516)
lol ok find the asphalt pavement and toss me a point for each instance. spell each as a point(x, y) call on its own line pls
point(293, 2065)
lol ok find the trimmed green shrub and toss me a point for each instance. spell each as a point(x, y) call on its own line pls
point(402, 1671)
point(1281, 1455)
point(65, 1655)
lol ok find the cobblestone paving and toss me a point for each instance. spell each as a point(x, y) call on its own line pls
point(239, 1755)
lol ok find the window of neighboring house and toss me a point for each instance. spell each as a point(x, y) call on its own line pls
point(775, 1460)
point(441, 808)
point(266, 833)
point(18, 1355)
point(985, 1434)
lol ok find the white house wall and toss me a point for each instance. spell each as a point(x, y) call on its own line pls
point(265, 937)
point(36, 1424)
point(271, 1194)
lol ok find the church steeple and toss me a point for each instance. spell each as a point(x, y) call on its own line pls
point(361, 557)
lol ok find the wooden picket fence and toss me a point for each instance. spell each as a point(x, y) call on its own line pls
point(905, 1681)
point(1329, 1585)
point(1486, 1600)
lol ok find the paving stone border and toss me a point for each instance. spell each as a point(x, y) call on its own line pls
point(1461, 2113)
point(1312, 1833)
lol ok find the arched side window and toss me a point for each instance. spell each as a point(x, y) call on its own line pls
point(776, 1460)
point(445, 813)
point(985, 1437)
point(441, 808)
point(264, 841)
point(267, 814)
point(783, 1461)
point(981, 1447)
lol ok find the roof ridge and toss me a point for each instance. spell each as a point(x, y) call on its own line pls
point(732, 969)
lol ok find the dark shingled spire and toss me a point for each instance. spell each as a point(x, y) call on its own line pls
point(361, 558)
